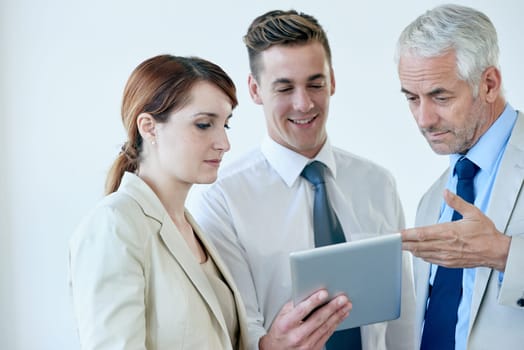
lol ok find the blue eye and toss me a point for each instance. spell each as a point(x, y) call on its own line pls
point(203, 126)
point(227, 127)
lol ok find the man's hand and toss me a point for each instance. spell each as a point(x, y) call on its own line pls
point(292, 330)
point(471, 242)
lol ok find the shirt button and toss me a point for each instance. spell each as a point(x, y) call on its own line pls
point(520, 302)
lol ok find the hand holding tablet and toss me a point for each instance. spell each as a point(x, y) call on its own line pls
point(368, 272)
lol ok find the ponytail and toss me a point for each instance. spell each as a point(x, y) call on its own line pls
point(127, 160)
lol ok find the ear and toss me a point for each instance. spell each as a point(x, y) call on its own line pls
point(332, 78)
point(490, 84)
point(146, 125)
point(254, 89)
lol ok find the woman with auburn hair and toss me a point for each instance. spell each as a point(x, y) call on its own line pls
point(143, 275)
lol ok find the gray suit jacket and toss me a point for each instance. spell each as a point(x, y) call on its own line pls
point(135, 283)
point(496, 320)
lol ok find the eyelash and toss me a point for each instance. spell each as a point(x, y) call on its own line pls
point(316, 87)
point(412, 100)
point(204, 126)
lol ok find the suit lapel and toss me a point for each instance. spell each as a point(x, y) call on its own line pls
point(228, 279)
point(509, 178)
point(152, 207)
point(181, 253)
point(428, 213)
point(506, 189)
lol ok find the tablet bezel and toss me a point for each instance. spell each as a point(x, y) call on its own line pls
point(373, 271)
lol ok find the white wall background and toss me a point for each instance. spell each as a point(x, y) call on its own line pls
point(63, 66)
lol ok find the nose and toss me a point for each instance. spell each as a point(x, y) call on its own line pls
point(222, 141)
point(425, 115)
point(302, 101)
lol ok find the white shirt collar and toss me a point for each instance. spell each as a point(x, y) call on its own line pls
point(289, 164)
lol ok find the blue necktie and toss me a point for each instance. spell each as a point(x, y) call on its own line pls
point(444, 296)
point(328, 231)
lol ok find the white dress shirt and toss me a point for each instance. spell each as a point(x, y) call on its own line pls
point(261, 209)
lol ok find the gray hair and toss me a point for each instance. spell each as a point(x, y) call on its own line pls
point(464, 30)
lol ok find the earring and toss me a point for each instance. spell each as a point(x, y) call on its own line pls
point(153, 142)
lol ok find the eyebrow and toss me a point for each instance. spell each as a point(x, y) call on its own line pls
point(209, 114)
point(433, 92)
point(289, 81)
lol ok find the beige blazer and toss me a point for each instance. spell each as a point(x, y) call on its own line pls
point(496, 320)
point(136, 285)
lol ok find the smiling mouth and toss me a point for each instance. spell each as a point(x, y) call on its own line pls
point(302, 121)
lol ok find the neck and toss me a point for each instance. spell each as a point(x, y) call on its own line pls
point(493, 111)
point(172, 193)
point(498, 108)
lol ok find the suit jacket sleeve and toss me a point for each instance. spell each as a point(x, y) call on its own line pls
point(107, 282)
point(512, 289)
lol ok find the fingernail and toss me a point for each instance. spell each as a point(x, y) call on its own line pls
point(341, 301)
point(322, 295)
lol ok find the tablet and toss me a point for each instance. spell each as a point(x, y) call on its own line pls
point(368, 271)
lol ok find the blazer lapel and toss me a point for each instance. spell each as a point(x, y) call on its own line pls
point(509, 178)
point(180, 252)
point(175, 243)
point(428, 213)
point(228, 279)
point(507, 186)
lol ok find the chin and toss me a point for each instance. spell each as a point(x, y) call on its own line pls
point(206, 180)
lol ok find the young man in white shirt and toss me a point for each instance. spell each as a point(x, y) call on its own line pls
point(260, 209)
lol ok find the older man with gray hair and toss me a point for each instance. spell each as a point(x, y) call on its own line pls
point(469, 265)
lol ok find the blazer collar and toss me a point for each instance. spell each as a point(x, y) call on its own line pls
point(136, 188)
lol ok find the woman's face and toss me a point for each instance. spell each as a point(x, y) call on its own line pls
point(190, 145)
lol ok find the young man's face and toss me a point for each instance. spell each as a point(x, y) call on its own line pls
point(294, 86)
